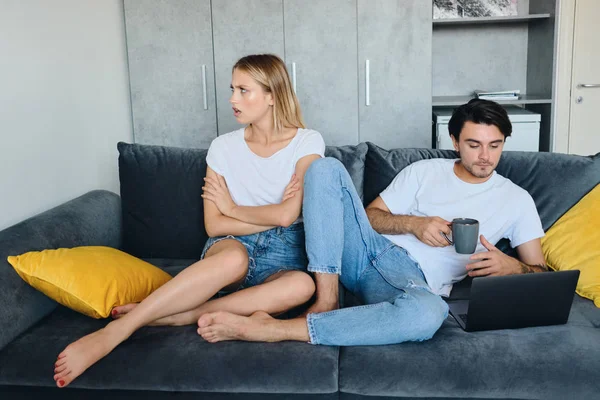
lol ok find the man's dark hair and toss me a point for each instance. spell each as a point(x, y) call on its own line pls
point(480, 112)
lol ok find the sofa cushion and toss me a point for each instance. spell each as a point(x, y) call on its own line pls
point(381, 166)
point(353, 158)
point(89, 279)
point(573, 243)
point(161, 203)
point(555, 181)
point(558, 362)
point(170, 359)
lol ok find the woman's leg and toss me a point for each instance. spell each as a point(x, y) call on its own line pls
point(226, 264)
point(280, 292)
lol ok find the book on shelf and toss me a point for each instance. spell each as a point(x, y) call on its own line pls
point(498, 95)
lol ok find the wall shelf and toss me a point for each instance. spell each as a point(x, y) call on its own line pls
point(458, 100)
point(489, 20)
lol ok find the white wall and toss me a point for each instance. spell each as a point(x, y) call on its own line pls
point(64, 102)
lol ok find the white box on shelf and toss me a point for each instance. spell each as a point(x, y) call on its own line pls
point(525, 124)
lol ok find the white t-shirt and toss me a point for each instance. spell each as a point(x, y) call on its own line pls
point(431, 188)
point(257, 181)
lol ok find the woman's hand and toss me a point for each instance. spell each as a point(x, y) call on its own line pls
point(291, 188)
point(216, 190)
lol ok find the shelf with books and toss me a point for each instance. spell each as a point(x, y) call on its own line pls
point(489, 20)
point(523, 99)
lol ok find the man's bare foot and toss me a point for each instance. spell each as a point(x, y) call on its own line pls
point(80, 355)
point(220, 326)
point(120, 311)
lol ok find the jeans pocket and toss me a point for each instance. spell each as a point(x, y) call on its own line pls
point(292, 236)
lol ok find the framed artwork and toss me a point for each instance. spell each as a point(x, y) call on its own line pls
point(473, 8)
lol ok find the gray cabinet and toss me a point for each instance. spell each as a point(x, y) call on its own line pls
point(169, 46)
point(320, 39)
point(181, 54)
point(394, 38)
point(242, 27)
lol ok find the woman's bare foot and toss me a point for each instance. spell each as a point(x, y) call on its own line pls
point(120, 311)
point(220, 326)
point(259, 327)
point(82, 354)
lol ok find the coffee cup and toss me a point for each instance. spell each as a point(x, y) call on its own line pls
point(465, 235)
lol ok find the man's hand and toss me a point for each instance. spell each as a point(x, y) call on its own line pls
point(492, 262)
point(429, 230)
point(291, 188)
point(216, 190)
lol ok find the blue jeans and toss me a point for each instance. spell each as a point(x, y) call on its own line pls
point(399, 305)
point(275, 250)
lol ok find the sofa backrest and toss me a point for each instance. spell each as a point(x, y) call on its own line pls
point(160, 193)
point(555, 181)
point(163, 212)
point(160, 200)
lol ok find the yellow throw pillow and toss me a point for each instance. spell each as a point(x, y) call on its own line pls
point(573, 242)
point(91, 280)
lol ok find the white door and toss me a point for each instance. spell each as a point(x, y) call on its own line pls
point(584, 134)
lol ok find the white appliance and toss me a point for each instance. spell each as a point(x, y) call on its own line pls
point(525, 135)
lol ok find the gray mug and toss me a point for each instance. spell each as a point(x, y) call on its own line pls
point(465, 235)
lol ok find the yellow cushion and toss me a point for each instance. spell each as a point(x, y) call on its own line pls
point(573, 242)
point(91, 280)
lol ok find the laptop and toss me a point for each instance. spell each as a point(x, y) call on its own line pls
point(516, 301)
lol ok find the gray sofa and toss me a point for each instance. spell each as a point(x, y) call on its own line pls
point(158, 217)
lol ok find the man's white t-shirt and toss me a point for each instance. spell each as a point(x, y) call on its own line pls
point(431, 188)
point(257, 181)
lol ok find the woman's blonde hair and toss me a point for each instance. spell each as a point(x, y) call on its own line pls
point(270, 73)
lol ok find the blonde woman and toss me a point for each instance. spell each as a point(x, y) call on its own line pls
point(252, 204)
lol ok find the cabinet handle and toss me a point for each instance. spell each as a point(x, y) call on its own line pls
point(588, 85)
point(367, 83)
point(204, 86)
point(294, 77)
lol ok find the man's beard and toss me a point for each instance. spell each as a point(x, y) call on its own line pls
point(474, 170)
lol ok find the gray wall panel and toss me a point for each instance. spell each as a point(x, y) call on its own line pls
point(242, 27)
point(320, 37)
point(540, 60)
point(488, 57)
point(395, 36)
point(167, 44)
point(545, 124)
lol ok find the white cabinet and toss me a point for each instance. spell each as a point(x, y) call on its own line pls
point(525, 135)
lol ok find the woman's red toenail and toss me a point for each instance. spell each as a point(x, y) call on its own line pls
point(61, 383)
point(114, 312)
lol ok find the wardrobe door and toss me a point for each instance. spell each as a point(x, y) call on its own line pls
point(242, 27)
point(169, 45)
point(320, 47)
point(394, 64)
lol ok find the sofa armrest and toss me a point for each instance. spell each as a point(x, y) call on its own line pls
point(93, 219)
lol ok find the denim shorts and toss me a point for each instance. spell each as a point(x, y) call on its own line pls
point(269, 252)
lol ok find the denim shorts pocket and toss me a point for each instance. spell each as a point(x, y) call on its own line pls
point(293, 236)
